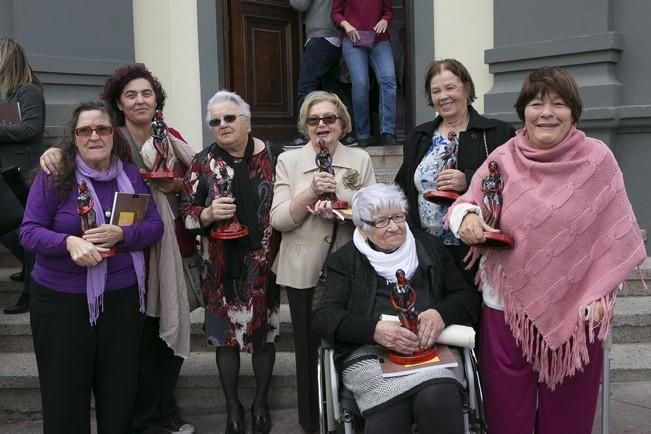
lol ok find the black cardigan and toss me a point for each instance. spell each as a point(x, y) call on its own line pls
point(471, 152)
point(343, 315)
point(16, 138)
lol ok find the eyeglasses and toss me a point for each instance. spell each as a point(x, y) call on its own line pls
point(383, 222)
point(101, 130)
point(313, 121)
point(227, 119)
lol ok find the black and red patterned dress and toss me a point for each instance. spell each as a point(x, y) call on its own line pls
point(240, 312)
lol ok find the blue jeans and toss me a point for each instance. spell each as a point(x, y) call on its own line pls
point(319, 69)
point(381, 60)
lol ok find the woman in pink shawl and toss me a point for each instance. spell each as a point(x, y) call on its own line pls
point(549, 301)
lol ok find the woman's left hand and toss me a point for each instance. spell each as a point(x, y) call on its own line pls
point(381, 26)
point(104, 235)
point(323, 208)
point(430, 326)
point(452, 180)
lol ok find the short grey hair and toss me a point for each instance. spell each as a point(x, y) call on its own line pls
point(371, 199)
point(225, 96)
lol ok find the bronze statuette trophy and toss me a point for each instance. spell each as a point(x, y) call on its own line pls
point(449, 161)
point(86, 213)
point(324, 163)
point(403, 300)
point(161, 143)
point(231, 228)
point(492, 186)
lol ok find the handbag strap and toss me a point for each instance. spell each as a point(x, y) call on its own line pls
point(135, 152)
point(333, 238)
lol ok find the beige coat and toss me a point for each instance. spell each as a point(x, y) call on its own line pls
point(303, 248)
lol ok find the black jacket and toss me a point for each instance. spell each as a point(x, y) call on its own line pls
point(21, 144)
point(343, 315)
point(472, 152)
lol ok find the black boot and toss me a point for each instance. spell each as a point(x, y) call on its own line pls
point(21, 306)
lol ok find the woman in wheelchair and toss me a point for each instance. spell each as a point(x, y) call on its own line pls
point(360, 277)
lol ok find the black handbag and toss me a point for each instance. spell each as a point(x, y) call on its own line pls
point(13, 195)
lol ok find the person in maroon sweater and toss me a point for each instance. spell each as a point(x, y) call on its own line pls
point(365, 41)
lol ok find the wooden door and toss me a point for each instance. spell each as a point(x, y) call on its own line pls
point(262, 42)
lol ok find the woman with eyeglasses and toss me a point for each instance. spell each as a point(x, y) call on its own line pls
point(233, 179)
point(360, 280)
point(87, 306)
point(309, 225)
point(133, 95)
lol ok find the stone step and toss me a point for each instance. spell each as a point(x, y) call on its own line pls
point(16, 334)
point(199, 388)
point(632, 324)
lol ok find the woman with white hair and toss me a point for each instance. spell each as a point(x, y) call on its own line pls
point(239, 288)
point(359, 282)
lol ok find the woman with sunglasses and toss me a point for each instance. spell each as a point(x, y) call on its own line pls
point(310, 227)
point(233, 178)
point(133, 95)
point(87, 307)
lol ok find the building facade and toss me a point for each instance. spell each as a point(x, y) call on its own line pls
point(197, 47)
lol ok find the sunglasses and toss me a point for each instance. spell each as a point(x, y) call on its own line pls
point(313, 121)
point(101, 130)
point(227, 119)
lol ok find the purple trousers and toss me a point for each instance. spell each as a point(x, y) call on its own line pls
point(514, 400)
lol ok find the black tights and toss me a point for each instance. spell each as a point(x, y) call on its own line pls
point(228, 364)
point(436, 409)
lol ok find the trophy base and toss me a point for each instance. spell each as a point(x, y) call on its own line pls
point(496, 240)
point(441, 197)
point(229, 232)
point(162, 174)
point(340, 204)
point(347, 213)
point(108, 254)
point(412, 359)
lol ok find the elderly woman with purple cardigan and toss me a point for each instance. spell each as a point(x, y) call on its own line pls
point(87, 305)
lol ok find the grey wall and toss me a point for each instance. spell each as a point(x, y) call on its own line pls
point(211, 66)
point(72, 45)
point(605, 45)
point(423, 21)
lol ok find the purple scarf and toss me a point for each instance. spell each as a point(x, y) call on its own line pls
point(96, 276)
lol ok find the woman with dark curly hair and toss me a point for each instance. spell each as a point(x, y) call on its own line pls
point(133, 95)
point(87, 306)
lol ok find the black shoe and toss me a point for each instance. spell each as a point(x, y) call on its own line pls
point(349, 140)
point(21, 306)
point(261, 424)
point(18, 277)
point(387, 139)
point(236, 426)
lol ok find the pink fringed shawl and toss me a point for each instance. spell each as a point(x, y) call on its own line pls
point(576, 238)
